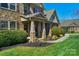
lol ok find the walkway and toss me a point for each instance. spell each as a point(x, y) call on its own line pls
point(60, 39)
point(74, 34)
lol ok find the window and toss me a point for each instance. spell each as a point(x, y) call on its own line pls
point(12, 25)
point(3, 25)
point(37, 9)
point(26, 9)
point(12, 6)
point(8, 25)
point(5, 5)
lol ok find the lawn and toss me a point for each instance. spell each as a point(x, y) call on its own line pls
point(69, 47)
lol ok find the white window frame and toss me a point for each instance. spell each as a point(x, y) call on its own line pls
point(15, 6)
point(15, 25)
point(9, 27)
point(3, 28)
point(2, 7)
point(9, 7)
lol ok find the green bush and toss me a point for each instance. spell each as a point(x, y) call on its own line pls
point(58, 31)
point(55, 31)
point(11, 37)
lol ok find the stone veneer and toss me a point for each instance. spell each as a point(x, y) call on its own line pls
point(10, 15)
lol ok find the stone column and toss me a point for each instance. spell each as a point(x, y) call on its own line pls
point(32, 32)
point(39, 29)
point(43, 32)
point(50, 31)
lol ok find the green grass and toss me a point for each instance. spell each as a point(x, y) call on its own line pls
point(69, 47)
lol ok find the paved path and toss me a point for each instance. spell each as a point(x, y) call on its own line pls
point(59, 40)
point(74, 34)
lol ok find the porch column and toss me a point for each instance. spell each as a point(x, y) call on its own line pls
point(32, 32)
point(39, 29)
point(44, 31)
point(50, 31)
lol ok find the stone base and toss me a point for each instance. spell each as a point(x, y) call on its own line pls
point(43, 35)
point(32, 37)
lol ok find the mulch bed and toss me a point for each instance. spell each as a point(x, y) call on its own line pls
point(35, 44)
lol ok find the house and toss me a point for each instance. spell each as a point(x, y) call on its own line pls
point(30, 17)
point(71, 25)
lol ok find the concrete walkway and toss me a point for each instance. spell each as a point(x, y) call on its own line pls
point(60, 39)
point(74, 34)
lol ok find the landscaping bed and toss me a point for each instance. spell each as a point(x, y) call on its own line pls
point(56, 33)
point(69, 47)
point(34, 44)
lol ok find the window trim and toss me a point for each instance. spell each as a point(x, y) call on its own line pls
point(15, 6)
point(9, 26)
point(3, 27)
point(9, 7)
point(15, 25)
point(27, 9)
point(2, 7)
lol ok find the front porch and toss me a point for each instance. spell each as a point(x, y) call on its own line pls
point(37, 29)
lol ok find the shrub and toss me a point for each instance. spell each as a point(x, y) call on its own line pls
point(58, 32)
point(11, 37)
point(55, 31)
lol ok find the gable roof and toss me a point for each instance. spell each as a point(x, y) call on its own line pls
point(51, 13)
point(74, 22)
point(47, 17)
point(48, 14)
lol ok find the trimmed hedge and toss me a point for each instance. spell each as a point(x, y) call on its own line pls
point(12, 37)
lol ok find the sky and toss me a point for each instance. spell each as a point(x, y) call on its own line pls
point(64, 11)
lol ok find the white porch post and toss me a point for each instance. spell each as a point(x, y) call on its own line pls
point(32, 32)
point(44, 32)
point(8, 25)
